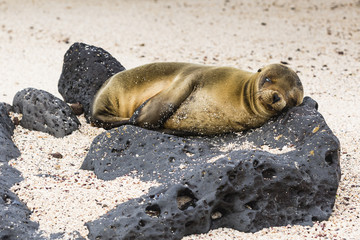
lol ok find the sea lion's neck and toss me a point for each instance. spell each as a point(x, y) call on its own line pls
point(251, 90)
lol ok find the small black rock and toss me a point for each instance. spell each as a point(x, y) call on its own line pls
point(44, 112)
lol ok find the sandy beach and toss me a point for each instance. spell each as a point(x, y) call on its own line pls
point(319, 39)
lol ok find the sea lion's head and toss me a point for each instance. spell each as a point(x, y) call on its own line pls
point(279, 88)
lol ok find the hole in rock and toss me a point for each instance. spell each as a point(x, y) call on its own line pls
point(314, 219)
point(188, 224)
point(251, 215)
point(255, 163)
point(232, 175)
point(217, 214)
point(252, 205)
point(269, 173)
point(229, 198)
point(171, 159)
point(188, 153)
point(118, 151)
point(185, 199)
point(142, 223)
point(6, 198)
point(330, 157)
point(186, 149)
point(153, 210)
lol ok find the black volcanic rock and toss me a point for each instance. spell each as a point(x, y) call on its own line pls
point(8, 149)
point(151, 154)
point(44, 112)
point(14, 215)
point(6, 125)
point(85, 69)
point(208, 183)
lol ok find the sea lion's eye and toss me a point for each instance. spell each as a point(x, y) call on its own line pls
point(268, 80)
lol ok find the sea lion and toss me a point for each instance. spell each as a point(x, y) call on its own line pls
point(184, 98)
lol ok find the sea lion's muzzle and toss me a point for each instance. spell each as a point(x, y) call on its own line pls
point(272, 100)
point(276, 98)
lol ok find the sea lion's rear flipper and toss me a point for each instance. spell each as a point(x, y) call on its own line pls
point(154, 112)
point(107, 121)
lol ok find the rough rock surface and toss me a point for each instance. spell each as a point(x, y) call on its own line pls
point(44, 112)
point(85, 69)
point(148, 154)
point(7, 147)
point(8, 150)
point(14, 215)
point(215, 182)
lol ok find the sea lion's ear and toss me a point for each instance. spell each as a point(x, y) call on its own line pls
point(259, 70)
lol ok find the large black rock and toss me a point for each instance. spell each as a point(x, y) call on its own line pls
point(7, 147)
point(44, 112)
point(131, 150)
point(8, 150)
point(14, 215)
point(213, 182)
point(84, 71)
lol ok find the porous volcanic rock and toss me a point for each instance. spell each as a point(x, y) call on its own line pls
point(8, 150)
point(14, 215)
point(85, 69)
point(286, 172)
point(7, 147)
point(152, 155)
point(44, 112)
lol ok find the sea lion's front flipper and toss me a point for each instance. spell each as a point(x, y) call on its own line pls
point(154, 112)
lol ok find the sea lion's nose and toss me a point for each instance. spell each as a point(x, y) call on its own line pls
point(276, 98)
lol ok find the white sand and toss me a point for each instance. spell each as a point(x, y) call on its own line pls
point(320, 39)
